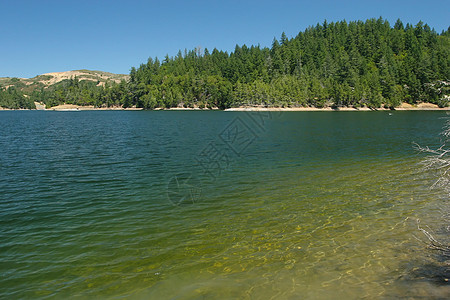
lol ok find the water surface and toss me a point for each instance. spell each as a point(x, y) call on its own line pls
point(217, 205)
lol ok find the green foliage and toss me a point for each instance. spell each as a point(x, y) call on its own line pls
point(13, 98)
point(332, 64)
point(338, 64)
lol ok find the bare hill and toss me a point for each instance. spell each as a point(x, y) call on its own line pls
point(27, 85)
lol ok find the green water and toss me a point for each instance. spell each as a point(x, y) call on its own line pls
point(217, 205)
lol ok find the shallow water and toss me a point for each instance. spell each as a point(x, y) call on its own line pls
point(217, 205)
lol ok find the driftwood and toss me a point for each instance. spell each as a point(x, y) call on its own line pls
point(433, 243)
point(438, 163)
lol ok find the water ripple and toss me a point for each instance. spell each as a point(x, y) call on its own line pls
point(319, 206)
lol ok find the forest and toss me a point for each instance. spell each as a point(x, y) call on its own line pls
point(340, 64)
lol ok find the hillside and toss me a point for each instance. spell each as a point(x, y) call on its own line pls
point(28, 85)
point(342, 64)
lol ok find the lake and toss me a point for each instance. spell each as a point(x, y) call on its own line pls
point(218, 205)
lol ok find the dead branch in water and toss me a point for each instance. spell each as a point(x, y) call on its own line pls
point(438, 162)
point(434, 243)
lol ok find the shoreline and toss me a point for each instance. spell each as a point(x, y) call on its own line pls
point(72, 107)
point(403, 107)
point(333, 109)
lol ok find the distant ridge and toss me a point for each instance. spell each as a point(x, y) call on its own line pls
point(28, 85)
point(357, 64)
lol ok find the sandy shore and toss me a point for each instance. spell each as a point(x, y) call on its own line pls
point(189, 108)
point(297, 109)
point(71, 107)
point(404, 106)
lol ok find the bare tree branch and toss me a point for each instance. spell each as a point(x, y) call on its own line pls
point(438, 163)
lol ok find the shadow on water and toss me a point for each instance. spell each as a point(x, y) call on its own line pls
point(433, 269)
point(437, 273)
point(424, 279)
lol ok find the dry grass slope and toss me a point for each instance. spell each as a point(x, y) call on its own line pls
point(45, 80)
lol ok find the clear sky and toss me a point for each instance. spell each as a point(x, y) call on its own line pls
point(41, 36)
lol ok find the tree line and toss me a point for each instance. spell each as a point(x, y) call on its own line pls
point(356, 64)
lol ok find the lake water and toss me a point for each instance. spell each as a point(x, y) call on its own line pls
point(218, 205)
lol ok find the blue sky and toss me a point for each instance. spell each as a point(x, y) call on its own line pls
point(44, 36)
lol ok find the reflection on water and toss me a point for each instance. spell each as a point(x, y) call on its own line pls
point(318, 206)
